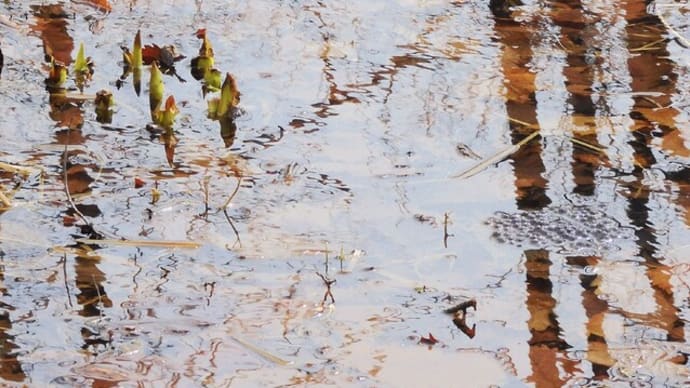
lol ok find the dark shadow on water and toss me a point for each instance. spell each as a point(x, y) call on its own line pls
point(10, 367)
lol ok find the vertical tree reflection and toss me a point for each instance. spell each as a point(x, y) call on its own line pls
point(652, 115)
point(546, 347)
point(595, 310)
point(521, 105)
point(578, 35)
point(51, 25)
point(653, 86)
point(10, 367)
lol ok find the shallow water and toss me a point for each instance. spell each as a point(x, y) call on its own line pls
point(355, 121)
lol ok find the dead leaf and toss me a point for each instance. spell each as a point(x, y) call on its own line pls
point(138, 182)
point(430, 340)
point(166, 56)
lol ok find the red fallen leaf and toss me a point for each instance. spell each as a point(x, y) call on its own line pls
point(431, 340)
point(166, 56)
point(151, 53)
point(138, 182)
point(69, 220)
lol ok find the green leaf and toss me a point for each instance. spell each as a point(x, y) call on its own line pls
point(212, 80)
point(229, 96)
point(137, 58)
point(156, 88)
point(80, 64)
point(213, 108)
point(166, 117)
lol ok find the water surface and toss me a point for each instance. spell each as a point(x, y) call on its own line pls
point(355, 121)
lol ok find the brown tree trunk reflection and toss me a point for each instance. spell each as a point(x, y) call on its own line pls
point(653, 85)
point(10, 367)
point(546, 347)
point(521, 106)
point(595, 310)
point(51, 26)
point(578, 32)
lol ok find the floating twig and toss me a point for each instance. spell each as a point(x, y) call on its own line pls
point(66, 186)
point(225, 210)
point(142, 243)
point(680, 38)
point(459, 317)
point(268, 356)
point(204, 190)
point(591, 147)
point(496, 157)
point(98, 293)
point(446, 219)
point(16, 169)
point(63, 261)
point(462, 307)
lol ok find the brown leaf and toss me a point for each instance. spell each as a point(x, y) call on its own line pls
point(138, 182)
point(166, 56)
point(430, 340)
point(69, 220)
point(151, 53)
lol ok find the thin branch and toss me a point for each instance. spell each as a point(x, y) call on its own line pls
point(328, 282)
point(499, 156)
point(64, 273)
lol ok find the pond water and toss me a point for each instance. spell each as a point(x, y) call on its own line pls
point(371, 218)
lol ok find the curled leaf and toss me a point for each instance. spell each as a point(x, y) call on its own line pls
point(166, 56)
point(137, 60)
point(212, 80)
point(166, 117)
point(229, 95)
point(156, 88)
point(103, 103)
point(201, 66)
point(126, 57)
point(57, 75)
point(170, 142)
point(206, 49)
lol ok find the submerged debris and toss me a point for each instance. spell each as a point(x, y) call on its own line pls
point(566, 229)
point(459, 317)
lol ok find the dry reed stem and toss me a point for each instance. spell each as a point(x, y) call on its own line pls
point(142, 243)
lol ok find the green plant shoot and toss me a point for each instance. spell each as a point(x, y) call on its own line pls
point(137, 57)
point(80, 64)
point(156, 89)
